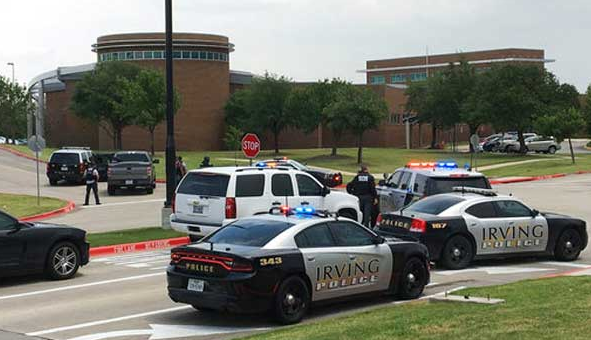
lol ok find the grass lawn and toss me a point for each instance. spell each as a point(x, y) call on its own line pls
point(25, 205)
point(582, 162)
point(555, 308)
point(131, 236)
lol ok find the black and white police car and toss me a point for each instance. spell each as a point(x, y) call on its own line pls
point(420, 179)
point(472, 223)
point(286, 260)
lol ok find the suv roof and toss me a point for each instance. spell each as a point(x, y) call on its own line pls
point(72, 151)
point(436, 172)
point(228, 170)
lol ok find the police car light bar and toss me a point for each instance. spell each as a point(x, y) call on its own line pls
point(479, 191)
point(433, 165)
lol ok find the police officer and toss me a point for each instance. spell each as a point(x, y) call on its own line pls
point(91, 176)
point(180, 168)
point(364, 187)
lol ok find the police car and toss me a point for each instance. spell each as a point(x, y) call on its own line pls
point(286, 260)
point(419, 179)
point(473, 223)
point(329, 178)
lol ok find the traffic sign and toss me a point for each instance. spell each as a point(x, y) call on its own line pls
point(251, 145)
point(36, 143)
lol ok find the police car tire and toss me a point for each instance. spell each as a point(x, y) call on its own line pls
point(150, 190)
point(110, 190)
point(56, 250)
point(464, 246)
point(411, 290)
point(286, 313)
point(203, 309)
point(52, 182)
point(564, 252)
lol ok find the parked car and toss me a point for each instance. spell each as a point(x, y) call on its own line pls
point(488, 140)
point(69, 164)
point(2, 140)
point(131, 170)
point(30, 248)
point(511, 143)
point(209, 198)
point(542, 144)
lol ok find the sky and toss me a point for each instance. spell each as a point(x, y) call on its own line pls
point(305, 40)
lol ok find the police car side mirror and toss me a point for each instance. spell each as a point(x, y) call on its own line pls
point(385, 175)
point(378, 240)
point(534, 213)
point(382, 182)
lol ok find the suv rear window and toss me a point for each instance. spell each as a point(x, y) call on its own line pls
point(434, 205)
point(65, 158)
point(440, 185)
point(250, 185)
point(203, 183)
point(251, 232)
point(130, 157)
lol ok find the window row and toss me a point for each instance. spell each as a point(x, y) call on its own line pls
point(143, 55)
point(402, 78)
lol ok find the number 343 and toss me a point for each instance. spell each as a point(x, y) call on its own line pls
point(271, 261)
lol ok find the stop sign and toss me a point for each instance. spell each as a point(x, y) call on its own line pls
point(251, 145)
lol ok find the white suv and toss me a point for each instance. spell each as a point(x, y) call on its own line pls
point(208, 198)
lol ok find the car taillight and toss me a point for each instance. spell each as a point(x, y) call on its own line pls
point(241, 266)
point(175, 257)
point(81, 167)
point(173, 203)
point(418, 226)
point(230, 207)
point(379, 220)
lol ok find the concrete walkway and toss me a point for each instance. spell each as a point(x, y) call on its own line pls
point(502, 165)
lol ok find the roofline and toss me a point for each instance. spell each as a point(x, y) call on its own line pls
point(428, 66)
point(461, 53)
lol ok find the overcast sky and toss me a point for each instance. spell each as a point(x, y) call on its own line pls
point(304, 39)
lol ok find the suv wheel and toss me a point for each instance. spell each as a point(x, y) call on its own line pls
point(552, 149)
point(457, 253)
point(63, 261)
point(291, 301)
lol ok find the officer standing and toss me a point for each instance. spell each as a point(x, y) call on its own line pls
point(91, 176)
point(364, 187)
point(181, 169)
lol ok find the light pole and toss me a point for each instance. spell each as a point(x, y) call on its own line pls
point(12, 64)
point(170, 147)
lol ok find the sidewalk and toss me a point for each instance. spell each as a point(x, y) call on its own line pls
point(16, 336)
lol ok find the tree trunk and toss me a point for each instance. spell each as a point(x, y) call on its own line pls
point(119, 135)
point(276, 137)
point(360, 148)
point(572, 152)
point(336, 136)
point(522, 148)
point(420, 135)
point(433, 136)
point(152, 141)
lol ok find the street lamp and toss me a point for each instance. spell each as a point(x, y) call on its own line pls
point(12, 64)
point(170, 147)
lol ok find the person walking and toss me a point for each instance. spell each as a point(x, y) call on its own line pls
point(363, 186)
point(181, 169)
point(91, 176)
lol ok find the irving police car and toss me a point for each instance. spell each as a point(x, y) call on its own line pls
point(284, 261)
point(477, 223)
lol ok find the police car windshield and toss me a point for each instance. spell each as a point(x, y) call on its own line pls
point(440, 185)
point(131, 157)
point(251, 232)
point(65, 158)
point(434, 205)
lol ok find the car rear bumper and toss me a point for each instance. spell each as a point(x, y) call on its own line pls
point(142, 182)
point(192, 228)
point(56, 176)
point(218, 294)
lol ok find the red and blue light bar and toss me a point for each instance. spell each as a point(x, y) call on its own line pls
point(433, 165)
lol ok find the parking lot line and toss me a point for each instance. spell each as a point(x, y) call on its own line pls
point(45, 291)
point(121, 203)
point(102, 322)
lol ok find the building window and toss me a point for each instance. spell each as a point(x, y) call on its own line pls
point(377, 80)
point(418, 76)
point(139, 55)
point(129, 55)
point(186, 55)
point(398, 78)
point(176, 54)
point(195, 55)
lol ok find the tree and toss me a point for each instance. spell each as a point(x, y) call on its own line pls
point(562, 125)
point(102, 97)
point(145, 97)
point(261, 106)
point(308, 104)
point(359, 109)
point(587, 108)
point(15, 104)
point(233, 139)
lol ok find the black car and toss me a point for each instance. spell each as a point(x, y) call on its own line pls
point(476, 223)
point(329, 178)
point(285, 263)
point(68, 164)
point(29, 248)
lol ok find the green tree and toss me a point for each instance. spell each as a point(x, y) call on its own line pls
point(587, 108)
point(261, 106)
point(233, 139)
point(15, 104)
point(102, 97)
point(360, 109)
point(145, 97)
point(563, 124)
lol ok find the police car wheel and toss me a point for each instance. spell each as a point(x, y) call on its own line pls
point(291, 301)
point(414, 279)
point(568, 246)
point(52, 182)
point(111, 190)
point(457, 253)
point(63, 261)
point(203, 309)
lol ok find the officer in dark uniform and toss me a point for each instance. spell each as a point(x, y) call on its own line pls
point(91, 176)
point(364, 187)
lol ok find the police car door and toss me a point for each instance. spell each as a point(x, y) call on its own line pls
point(387, 192)
point(401, 193)
point(309, 191)
point(523, 232)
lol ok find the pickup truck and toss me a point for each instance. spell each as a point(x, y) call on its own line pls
point(131, 170)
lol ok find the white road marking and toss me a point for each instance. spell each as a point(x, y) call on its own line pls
point(426, 297)
point(120, 203)
point(567, 264)
point(106, 321)
point(431, 284)
point(493, 270)
point(159, 268)
point(98, 283)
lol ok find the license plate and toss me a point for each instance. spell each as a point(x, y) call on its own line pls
point(196, 285)
point(129, 181)
point(64, 168)
point(197, 209)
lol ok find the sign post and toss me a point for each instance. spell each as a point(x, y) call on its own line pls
point(251, 146)
point(36, 143)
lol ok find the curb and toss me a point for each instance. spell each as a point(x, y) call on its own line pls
point(21, 154)
point(63, 210)
point(139, 246)
point(526, 179)
point(568, 272)
point(161, 181)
